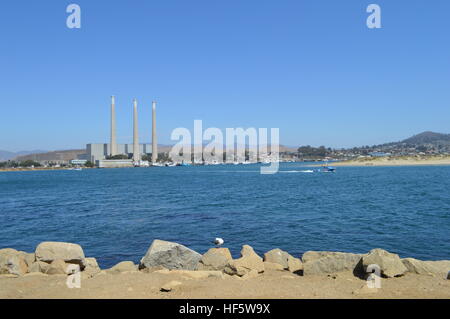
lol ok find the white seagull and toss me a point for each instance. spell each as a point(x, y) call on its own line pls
point(218, 242)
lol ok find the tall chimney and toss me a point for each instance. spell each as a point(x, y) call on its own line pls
point(113, 146)
point(154, 139)
point(136, 152)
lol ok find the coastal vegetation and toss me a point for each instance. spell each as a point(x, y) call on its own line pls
point(89, 164)
point(423, 144)
point(15, 164)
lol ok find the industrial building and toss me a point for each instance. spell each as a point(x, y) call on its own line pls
point(99, 153)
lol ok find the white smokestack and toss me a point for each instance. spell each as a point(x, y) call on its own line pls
point(154, 139)
point(113, 145)
point(136, 152)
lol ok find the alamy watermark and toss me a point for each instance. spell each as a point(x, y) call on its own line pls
point(74, 276)
point(374, 279)
point(374, 19)
point(74, 19)
point(240, 146)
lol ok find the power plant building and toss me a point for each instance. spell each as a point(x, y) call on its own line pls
point(100, 153)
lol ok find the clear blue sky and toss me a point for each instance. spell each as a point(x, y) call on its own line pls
point(310, 67)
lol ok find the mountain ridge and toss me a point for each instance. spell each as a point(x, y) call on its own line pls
point(424, 138)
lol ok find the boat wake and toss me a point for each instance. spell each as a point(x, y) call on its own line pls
point(303, 171)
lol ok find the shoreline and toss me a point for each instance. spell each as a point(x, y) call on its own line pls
point(395, 161)
point(171, 270)
point(37, 169)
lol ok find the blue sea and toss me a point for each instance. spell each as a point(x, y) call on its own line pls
point(115, 214)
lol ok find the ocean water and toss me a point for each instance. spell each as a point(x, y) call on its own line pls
point(116, 213)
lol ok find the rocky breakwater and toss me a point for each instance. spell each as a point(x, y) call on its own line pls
point(179, 263)
point(50, 258)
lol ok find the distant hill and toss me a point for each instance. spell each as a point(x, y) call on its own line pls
point(52, 156)
point(430, 142)
point(6, 155)
point(428, 138)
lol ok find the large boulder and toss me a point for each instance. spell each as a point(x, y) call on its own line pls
point(69, 253)
point(91, 263)
point(170, 255)
point(38, 267)
point(272, 266)
point(431, 268)
point(390, 264)
point(294, 264)
point(29, 258)
point(92, 268)
point(12, 262)
point(284, 259)
point(57, 267)
point(324, 262)
point(215, 259)
point(250, 262)
point(277, 256)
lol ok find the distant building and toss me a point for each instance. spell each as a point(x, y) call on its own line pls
point(95, 152)
point(78, 162)
point(98, 153)
point(379, 154)
point(114, 163)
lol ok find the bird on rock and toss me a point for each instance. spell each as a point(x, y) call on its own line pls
point(218, 242)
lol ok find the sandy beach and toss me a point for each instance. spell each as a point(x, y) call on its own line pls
point(397, 161)
point(271, 284)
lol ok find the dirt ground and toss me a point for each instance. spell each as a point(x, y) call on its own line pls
point(270, 285)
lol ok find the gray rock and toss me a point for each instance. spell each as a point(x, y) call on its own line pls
point(390, 264)
point(38, 267)
point(272, 266)
point(17, 265)
point(70, 253)
point(92, 268)
point(431, 268)
point(249, 263)
point(277, 256)
point(225, 252)
point(247, 251)
point(284, 259)
point(170, 286)
point(215, 259)
point(29, 258)
point(294, 264)
point(170, 255)
point(91, 263)
point(12, 262)
point(57, 267)
point(324, 262)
